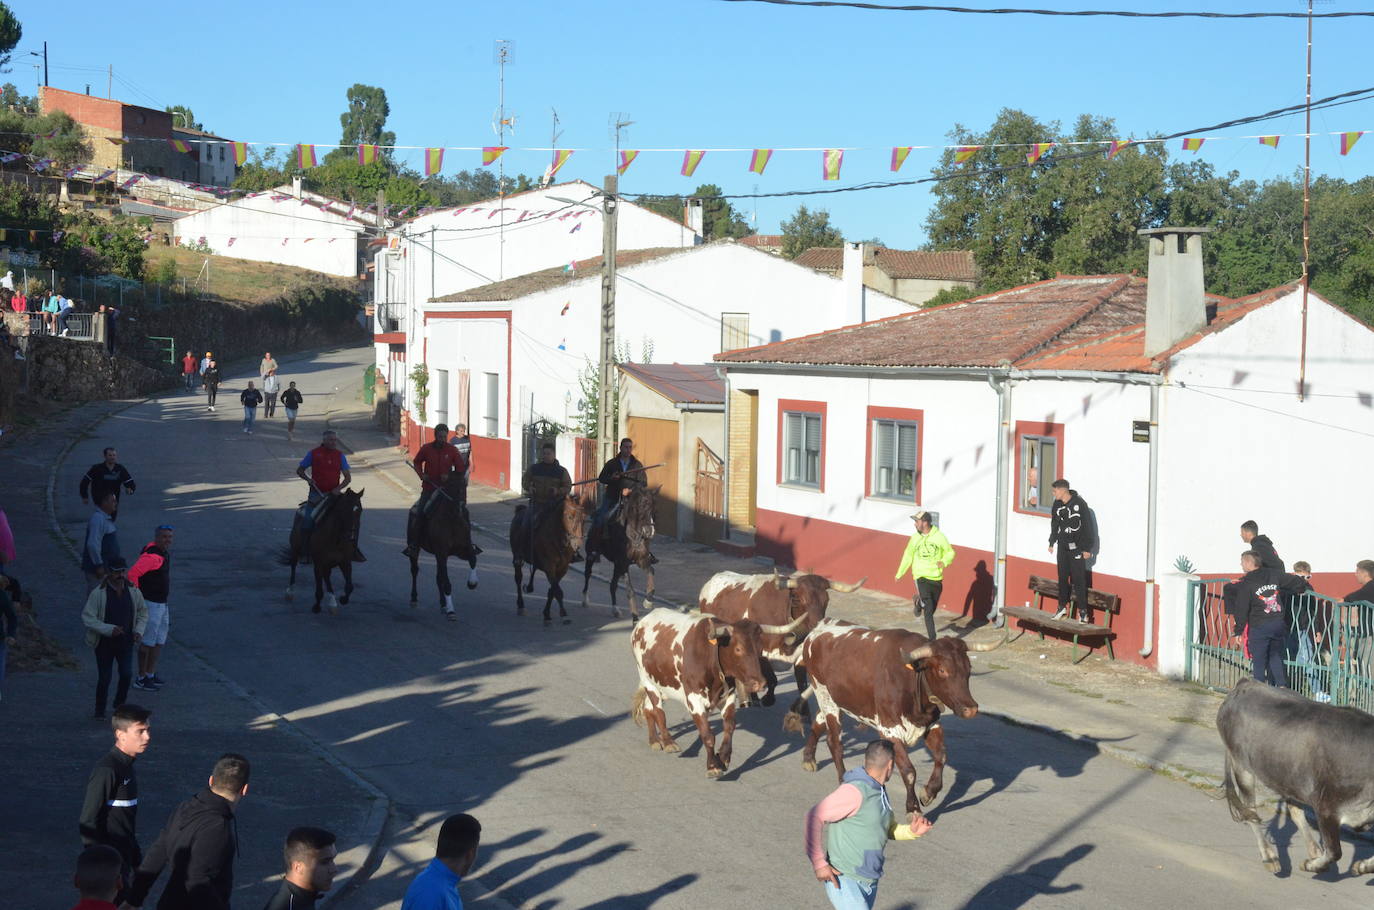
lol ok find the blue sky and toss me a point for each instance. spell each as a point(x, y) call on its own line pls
point(709, 74)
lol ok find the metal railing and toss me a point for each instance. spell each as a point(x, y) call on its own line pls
point(1329, 655)
point(389, 317)
point(76, 326)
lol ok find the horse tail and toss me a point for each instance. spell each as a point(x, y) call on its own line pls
point(637, 706)
point(285, 556)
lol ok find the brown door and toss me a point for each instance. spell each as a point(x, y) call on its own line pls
point(656, 442)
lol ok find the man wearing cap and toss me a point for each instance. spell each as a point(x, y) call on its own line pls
point(205, 365)
point(115, 616)
point(927, 555)
point(434, 463)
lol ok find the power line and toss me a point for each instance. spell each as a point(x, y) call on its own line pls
point(1121, 14)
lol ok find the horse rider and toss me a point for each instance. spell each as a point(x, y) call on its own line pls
point(434, 463)
point(619, 477)
point(329, 474)
point(546, 483)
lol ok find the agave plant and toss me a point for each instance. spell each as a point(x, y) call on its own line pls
point(1184, 565)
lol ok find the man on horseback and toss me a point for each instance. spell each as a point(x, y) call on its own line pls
point(619, 477)
point(434, 463)
point(546, 483)
point(329, 473)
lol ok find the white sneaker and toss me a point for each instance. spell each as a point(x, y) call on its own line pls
point(1063, 611)
point(1322, 698)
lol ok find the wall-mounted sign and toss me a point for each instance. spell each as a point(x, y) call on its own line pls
point(1140, 431)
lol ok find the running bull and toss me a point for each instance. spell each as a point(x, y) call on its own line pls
point(892, 680)
point(698, 660)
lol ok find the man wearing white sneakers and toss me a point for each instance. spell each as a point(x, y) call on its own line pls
point(151, 574)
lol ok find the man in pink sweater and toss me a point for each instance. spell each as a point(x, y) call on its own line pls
point(847, 831)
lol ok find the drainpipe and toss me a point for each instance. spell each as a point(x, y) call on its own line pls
point(1150, 525)
point(1002, 386)
point(725, 477)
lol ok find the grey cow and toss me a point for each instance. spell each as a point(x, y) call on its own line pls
point(1310, 755)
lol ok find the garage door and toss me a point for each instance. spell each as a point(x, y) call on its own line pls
point(655, 442)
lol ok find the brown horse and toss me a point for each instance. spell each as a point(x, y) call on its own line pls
point(558, 533)
point(625, 540)
point(333, 544)
point(446, 530)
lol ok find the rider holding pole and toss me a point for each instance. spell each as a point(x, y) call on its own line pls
point(618, 478)
point(434, 463)
point(329, 473)
point(546, 482)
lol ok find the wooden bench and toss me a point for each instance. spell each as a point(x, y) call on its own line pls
point(1036, 616)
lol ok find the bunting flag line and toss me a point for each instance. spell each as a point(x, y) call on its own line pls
point(965, 152)
point(560, 158)
point(1116, 146)
point(1271, 141)
point(128, 184)
point(625, 160)
point(575, 228)
point(1037, 151)
point(566, 307)
point(491, 152)
point(831, 159)
point(181, 145)
point(1192, 145)
point(106, 175)
point(240, 150)
point(367, 154)
point(117, 140)
point(759, 160)
point(690, 159)
point(305, 156)
point(12, 156)
point(50, 134)
point(563, 345)
point(42, 164)
point(434, 161)
point(351, 210)
point(899, 154)
point(570, 267)
point(71, 172)
point(1348, 141)
point(231, 241)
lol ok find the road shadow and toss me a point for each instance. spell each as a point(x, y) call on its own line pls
point(1016, 889)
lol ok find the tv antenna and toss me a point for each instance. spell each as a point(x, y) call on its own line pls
point(618, 122)
point(502, 52)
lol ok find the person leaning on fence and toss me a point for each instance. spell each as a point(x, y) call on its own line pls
point(1361, 601)
point(1310, 627)
point(1261, 545)
point(1259, 604)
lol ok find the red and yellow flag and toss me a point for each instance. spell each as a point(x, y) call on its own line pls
point(831, 159)
point(626, 158)
point(690, 160)
point(305, 156)
point(899, 154)
point(560, 158)
point(181, 145)
point(1348, 141)
point(1116, 146)
point(964, 152)
point(1037, 151)
point(367, 154)
point(117, 140)
point(491, 152)
point(434, 161)
point(759, 161)
point(1192, 145)
point(240, 150)
point(1271, 141)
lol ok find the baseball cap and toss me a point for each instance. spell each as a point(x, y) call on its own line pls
point(922, 516)
point(117, 564)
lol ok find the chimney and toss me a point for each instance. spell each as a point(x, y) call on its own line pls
point(296, 186)
point(852, 279)
point(694, 216)
point(1175, 303)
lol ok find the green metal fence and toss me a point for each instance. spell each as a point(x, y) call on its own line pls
point(1329, 654)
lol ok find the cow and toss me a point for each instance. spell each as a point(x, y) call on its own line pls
point(1310, 754)
point(697, 659)
point(776, 600)
point(892, 680)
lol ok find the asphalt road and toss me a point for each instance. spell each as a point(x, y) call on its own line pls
point(527, 727)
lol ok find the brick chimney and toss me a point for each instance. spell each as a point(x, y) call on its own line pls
point(1175, 302)
point(694, 216)
point(852, 281)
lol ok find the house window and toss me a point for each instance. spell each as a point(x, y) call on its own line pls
point(801, 449)
point(894, 459)
point(734, 331)
point(493, 410)
point(221, 153)
point(1039, 461)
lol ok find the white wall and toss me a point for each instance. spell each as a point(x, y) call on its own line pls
point(258, 227)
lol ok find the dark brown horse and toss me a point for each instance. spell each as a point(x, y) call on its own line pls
point(445, 530)
point(625, 541)
point(333, 544)
point(557, 535)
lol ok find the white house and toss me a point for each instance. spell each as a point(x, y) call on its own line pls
point(288, 226)
point(1175, 415)
point(214, 156)
point(508, 354)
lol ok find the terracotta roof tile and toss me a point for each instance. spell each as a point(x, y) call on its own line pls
point(762, 240)
point(546, 279)
point(949, 265)
point(695, 383)
point(822, 258)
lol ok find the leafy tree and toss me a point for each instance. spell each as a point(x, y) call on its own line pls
point(10, 33)
point(806, 229)
point(364, 123)
point(951, 295)
point(26, 133)
point(12, 100)
point(106, 246)
point(719, 218)
point(262, 171)
point(183, 117)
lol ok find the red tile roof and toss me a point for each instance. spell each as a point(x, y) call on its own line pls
point(762, 240)
point(822, 258)
point(949, 265)
point(695, 383)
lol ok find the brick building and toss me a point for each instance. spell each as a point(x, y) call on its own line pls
point(124, 135)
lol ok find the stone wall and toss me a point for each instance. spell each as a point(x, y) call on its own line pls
point(64, 370)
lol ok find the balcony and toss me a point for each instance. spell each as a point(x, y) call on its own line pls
point(389, 322)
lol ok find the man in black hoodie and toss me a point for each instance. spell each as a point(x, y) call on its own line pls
point(1259, 605)
point(109, 813)
point(1073, 530)
point(1262, 545)
point(200, 843)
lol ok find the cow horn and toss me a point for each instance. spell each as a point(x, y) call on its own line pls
point(921, 653)
point(848, 589)
point(987, 646)
point(779, 580)
point(783, 630)
point(793, 584)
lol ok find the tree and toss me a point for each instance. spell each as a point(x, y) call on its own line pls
point(262, 171)
point(28, 134)
point(10, 33)
point(364, 123)
point(719, 218)
point(12, 100)
point(184, 118)
point(806, 229)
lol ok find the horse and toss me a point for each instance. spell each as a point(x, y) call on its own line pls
point(333, 544)
point(557, 536)
point(445, 530)
point(624, 540)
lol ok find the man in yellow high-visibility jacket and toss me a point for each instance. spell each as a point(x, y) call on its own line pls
point(927, 555)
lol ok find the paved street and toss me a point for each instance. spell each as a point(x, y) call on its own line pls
point(527, 727)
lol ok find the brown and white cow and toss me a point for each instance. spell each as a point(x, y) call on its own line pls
point(891, 680)
point(775, 600)
point(697, 660)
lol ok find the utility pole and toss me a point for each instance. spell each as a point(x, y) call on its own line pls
point(45, 64)
point(606, 429)
point(1306, 214)
point(109, 83)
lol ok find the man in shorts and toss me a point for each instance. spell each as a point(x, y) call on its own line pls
point(291, 402)
point(151, 574)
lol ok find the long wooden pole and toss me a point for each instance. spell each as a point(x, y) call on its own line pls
point(1306, 215)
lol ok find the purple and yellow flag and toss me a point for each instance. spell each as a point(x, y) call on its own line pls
point(626, 158)
point(491, 152)
point(240, 150)
point(367, 154)
point(305, 156)
point(1271, 141)
point(434, 161)
point(1192, 145)
point(1116, 146)
point(964, 152)
point(560, 158)
point(831, 159)
point(690, 160)
point(759, 160)
point(1037, 151)
point(181, 145)
point(1348, 141)
point(104, 175)
point(899, 154)
point(71, 172)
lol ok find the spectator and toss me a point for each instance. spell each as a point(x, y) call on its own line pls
point(64, 312)
point(291, 400)
point(115, 617)
point(1362, 617)
point(1311, 623)
point(310, 869)
point(211, 380)
point(107, 476)
point(102, 542)
point(463, 443)
point(847, 832)
point(1259, 599)
point(50, 309)
point(1072, 528)
point(199, 842)
point(268, 365)
point(270, 387)
point(1269, 557)
point(7, 282)
point(928, 554)
point(19, 303)
point(436, 887)
point(151, 574)
point(1364, 574)
point(109, 813)
point(189, 369)
point(7, 550)
point(205, 364)
point(98, 878)
point(250, 398)
point(9, 624)
point(111, 327)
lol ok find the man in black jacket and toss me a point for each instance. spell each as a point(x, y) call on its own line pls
point(618, 477)
point(1262, 545)
point(310, 869)
point(109, 813)
point(108, 476)
point(1073, 530)
point(199, 842)
point(1259, 600)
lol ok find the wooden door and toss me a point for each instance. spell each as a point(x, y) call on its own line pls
point(655, 442)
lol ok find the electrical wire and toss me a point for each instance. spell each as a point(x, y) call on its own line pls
point(1287, 414)
point(1123, 14)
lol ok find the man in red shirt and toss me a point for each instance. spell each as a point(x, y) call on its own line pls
point(189, 368)
point(433, 463)
point(328, 467)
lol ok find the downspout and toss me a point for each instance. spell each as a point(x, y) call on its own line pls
point(725, 476)
point(1002, 386)
point(1148, 635)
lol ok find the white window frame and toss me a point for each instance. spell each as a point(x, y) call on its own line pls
point(1033, 449)
point(492, 414)
point(797, 460)
point(877, 425)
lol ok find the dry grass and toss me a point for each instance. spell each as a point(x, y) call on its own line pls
point(242, 280)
